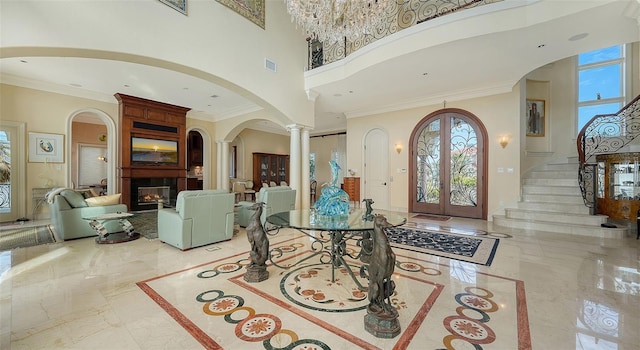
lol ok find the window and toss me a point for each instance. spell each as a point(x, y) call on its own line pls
point(601, 83)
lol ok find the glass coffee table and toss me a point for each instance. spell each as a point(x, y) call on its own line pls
point(330, 243)
point(104, 237)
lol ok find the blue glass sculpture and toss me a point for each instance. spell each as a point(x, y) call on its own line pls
point(333, 201)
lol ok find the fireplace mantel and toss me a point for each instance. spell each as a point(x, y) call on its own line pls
point(144, 118)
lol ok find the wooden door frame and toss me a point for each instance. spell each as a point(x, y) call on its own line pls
point(482, 183)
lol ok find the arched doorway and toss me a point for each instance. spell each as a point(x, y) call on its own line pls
point(448, 165)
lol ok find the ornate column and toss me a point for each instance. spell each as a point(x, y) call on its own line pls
point(294, 161)
point(219, 164)
point(305, 184)
point(224, 166)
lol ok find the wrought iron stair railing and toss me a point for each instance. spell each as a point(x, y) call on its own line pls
point(606, 133)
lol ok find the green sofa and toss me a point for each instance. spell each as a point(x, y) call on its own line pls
point(276, 200)
point(69, 207)
point(200, 217)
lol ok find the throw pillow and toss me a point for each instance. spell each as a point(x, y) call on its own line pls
point(103, 200)
point(75, 199)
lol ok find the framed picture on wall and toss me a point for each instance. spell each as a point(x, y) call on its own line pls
point(45, 148)
point(535, 118)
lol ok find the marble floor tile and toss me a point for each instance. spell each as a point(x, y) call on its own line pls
point(542, 291)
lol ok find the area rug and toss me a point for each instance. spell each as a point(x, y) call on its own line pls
point(145, 223)
point(474, 249)
point(432, 217)
point(26, 237)
point(301, 307)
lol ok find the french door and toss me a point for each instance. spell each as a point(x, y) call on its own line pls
point(12, 172)
point(448, 170)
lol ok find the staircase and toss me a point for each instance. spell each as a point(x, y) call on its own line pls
point(552, 202)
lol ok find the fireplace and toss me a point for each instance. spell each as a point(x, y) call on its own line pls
point(145, 192)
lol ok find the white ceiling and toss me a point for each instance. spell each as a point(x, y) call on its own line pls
point(472, 66)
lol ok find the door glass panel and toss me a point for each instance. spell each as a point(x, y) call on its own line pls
point(5, 173)
point(464, 164)
point(428, 164)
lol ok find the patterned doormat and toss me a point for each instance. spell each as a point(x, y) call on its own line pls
point(26, 237)
point(432, 217)
point(473, 249)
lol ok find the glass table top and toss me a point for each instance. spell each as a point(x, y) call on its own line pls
point(310, 219)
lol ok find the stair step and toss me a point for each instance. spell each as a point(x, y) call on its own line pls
point(552, 182)
point(556, 217)
point(566, 190)
point(553, 198)
point(554, 227)
point(557, 207)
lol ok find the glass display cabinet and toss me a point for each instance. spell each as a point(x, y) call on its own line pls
point(619, 185)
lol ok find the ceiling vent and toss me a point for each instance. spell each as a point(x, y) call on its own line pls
point(270, 65)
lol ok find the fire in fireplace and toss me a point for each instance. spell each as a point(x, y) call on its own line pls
point(145, 192)
point(151, 195)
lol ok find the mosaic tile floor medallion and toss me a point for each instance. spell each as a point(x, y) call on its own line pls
point(301, 307)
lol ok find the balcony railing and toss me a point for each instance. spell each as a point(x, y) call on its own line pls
point(401, 14)
point(603, 134)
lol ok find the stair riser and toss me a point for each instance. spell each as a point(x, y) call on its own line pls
point(553, 175)
point(561, 167)
point(552, 199)
point(551, 182)
point(560, 218)
point(557, 207)
point(567, 190)
point(538, 226)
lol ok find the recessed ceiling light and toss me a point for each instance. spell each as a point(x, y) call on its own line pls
point(75, 85)
point(578, 36)
point(350, 91)
point(24, 61)
point(540, 46)
point(185, 88)
point(214, 96)
point(125, 85)
point(425, 73)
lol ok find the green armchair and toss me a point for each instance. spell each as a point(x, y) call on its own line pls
point(201, 217)
point(276, 200)
point(69, 207)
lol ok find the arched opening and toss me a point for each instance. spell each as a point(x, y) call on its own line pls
point(448, 158)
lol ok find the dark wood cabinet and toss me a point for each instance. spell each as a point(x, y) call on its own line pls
point(194, 183)
point(194, 149)
point(269, 167)
point(352, 187)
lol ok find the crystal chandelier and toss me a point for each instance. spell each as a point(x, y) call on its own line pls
point(333, 20)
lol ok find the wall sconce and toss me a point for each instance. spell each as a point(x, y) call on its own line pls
point(398, 148)
point(503, 140)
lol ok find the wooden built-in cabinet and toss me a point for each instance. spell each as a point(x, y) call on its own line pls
point(618, 192)
point(352, 187)
point(194, 149)
point(269, 167)
point(142, 118)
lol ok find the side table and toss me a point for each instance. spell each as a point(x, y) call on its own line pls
point(104, 237)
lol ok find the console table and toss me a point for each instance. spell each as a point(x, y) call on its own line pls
point(331, 244)
point(38, 199)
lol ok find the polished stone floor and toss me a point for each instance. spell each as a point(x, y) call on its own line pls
point(542, 291)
